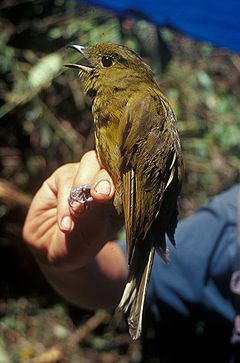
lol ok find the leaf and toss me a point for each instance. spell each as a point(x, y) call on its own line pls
point(204, 80)
point(45, 70)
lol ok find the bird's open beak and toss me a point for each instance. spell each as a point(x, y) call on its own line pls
point(80, 49)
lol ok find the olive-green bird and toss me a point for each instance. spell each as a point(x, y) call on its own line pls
point(138, 144)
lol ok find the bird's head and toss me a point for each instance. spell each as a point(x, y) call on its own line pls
point(109, 66)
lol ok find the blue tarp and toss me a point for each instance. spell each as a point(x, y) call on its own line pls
point(215, 21)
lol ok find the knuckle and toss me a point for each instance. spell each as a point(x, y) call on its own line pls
point(65, 176)
point(65, 171)
point(89, 155)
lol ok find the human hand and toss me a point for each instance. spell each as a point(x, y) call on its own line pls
point(71, 237)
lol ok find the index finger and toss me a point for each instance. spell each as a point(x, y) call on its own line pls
point(99, 184)
point(89, 166)
point(87, 169)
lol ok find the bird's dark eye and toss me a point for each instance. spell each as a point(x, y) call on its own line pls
point(107, 61)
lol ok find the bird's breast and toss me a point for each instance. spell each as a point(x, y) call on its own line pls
point(106, 138)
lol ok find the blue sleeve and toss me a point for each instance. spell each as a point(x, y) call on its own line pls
point(196, 279)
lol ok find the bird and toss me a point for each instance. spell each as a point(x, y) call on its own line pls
point(137, 142)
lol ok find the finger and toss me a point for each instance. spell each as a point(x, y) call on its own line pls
point(64, 180)
point(103, 188)
point(65, 221)
point(89, 166)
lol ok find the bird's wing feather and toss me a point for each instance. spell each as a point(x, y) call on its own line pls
point(148, 164)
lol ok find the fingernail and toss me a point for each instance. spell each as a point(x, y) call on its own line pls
point(66, 223)
point(103, 187)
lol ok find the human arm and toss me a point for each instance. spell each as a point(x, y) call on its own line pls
point(72, 245)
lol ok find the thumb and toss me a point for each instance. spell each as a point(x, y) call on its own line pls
point(103, 188)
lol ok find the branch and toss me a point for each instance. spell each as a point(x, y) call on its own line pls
point(57, 352)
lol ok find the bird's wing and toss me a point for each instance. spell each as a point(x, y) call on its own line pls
point(149, 163)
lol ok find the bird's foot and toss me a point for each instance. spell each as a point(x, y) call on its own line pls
point(81, 194)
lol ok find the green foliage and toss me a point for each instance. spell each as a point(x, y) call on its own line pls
point(12, 323)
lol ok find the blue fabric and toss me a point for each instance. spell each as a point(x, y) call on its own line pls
point(195, 283)
point(189, 308)
point(196, 280)
point(214, 21)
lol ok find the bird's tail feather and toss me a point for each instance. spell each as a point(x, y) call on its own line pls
point(132, 301)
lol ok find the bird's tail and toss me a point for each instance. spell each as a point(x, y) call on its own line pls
point(133, 297)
